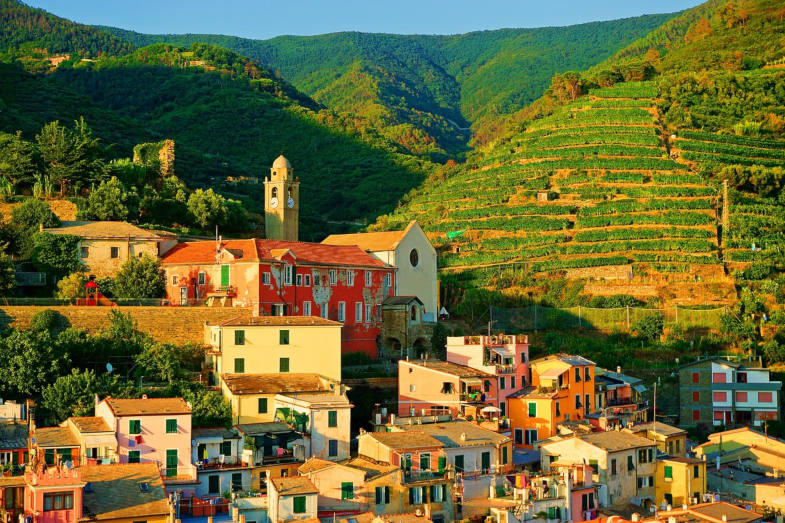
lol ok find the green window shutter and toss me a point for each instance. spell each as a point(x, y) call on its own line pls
point(411, 495)
point(347, 490)
point(386, 495)
point(284, 365)
point(459, 463)
point(283, 337)
point(171, 426)
point(532, 410)
point(224, 275)
point(630, 463)
point(49, 456)
point(442, 464)
point(332, 418)
point(668, 472)
point(696, 472)
point(135, 426)
point(171, 462)
point(299, 504)
point(262, 406)
point(134, 456)
point(239, 337)
point(504, 455)
point(486, 461)
point(379, 495)
point(239, 365)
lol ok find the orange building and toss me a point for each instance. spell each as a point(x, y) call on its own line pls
point(562, 389)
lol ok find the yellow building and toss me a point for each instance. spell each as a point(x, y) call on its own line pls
point(670, 440)
point(276, 344)
point(680, 481)
point(281, 202)
point(105, 246)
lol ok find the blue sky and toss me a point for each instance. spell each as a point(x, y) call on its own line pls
point(265, 18)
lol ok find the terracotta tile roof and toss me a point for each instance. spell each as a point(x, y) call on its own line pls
point(659, 427)
point(54, 437)
point(612, 440)
point(370, 467)
point(274, 383)
point(265, 250)
point(104, 230)
point(569, 359)
point(114, 491)
point(148, 406)
point(409, 439)
point(370, 517)
point(462, 371)
point(320, 399)
point(279, 321)
point(90, 424)
point(314, 464)
point(370, 241)
point(294, 485)
point(450, 434)
point(712, 512)
point(535, 393)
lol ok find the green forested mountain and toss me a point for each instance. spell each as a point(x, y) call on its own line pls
point(425, 91)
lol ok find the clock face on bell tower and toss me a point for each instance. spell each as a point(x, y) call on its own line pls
point(281, 202)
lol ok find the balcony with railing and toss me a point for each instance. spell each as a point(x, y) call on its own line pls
point(414, 476)
point(178, 475)
point(505, 369)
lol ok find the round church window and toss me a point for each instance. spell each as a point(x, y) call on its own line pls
point(414, 257)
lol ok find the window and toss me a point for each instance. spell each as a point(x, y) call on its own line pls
point(695, 377)
point(459, 463)
point(332, 448)
point(613, 467)
point(114, 252)
point(341, 311)
point(577, 374)
point(368, 278)
point(239, 365)
point(668, 472)
point(174, 279)
point(518, 436)
point(388, 280)
point(266, 278)
point(358, 312)
point(425, 461)
point(578, 401)
point(332, 418)
point(718, 377)
point(134, 456)
point(523, 357)
point(239, 337)
point(630, 463)
point(214, 484)
point(283, 365)
point(512, 382)
point(587, 373)
point(261, 406)
point(307, 280)
point(350, 278)
point(587, 501)
point(84, 252)
point(696, 471)
point(283, 337)
point(171, 426)
point(764, 397)
point(333, 277)
point(558, 409)
point(368, 313)
point(487, 386)
point(531, 436)
point(720, 396)
point(696, 415)
point(504, 455)
point(412, 388)
point(502, 383)
point(299, 280)
point(237, 481)
point(678, 445)
point(532, 410)
point(317, 279)
point(447, 387)
point(135, 426)
point(587, 402)
point(298, 505)
point(696, 395)
point(306, 308)
point(741, 396)
point(58, 501)
point(347, 490)
point(415, 495)
point(288, 274)
point(382, 495)
point(741, 377)
point(438, 493)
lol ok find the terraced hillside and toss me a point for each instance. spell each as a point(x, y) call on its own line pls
point(618, 206)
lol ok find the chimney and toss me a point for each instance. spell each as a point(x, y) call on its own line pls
point(618, 369)
point(144, 396)
point(463, 436)
point(636, 517)
point(671, 519)
point(96, 400)
point(684, 506)
point(725, 517)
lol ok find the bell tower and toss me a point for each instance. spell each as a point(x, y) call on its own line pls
point(281, 202)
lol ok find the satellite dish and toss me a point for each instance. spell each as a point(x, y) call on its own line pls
point(109, 367)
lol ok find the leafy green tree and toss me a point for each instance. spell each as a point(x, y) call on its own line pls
point(650, 326)
point(7, 278)
point(72, 154)
point(30, 361)
point(439, 340)
point(56, 254)
point(48, 321)
point(74, 394)
point(209, 409)
point(108, 201)
point(71, 287)
point(26, 220)
point(18, 159)
point(140, 277)
point(168, 362)
point(207, 207)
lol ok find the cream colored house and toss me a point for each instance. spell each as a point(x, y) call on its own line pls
point(292, 499)
point(624, 462)
point(97, 440)
point(105, 246)
point(411, 253)
point(275, 344)
point(326, 421)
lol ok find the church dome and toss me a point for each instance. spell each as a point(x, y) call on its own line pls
point(281, 162)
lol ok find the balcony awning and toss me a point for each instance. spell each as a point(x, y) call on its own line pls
point(503, 352)
point(639, 388)
point(100, 440)
point(204, 440)
point(553, 373)
point(472, 381)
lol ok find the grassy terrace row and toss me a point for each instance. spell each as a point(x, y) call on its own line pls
point(602, 192)
point(666, 218)
point(621, 104)
point(529, 223)
point(733, 139)
point(583, 151)
point(632, 116)
point(603, 235)
point(627, 90)
point(594, 129)
point(621, 206)
point(626, 177)
point(564, 139)
point(715, 158)
point(619, 164)
point(732, 149)
point(513, 210)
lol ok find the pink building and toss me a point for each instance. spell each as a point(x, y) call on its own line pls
point(506, 357)
point(54, 495)
point(156, 430)
point(434, 387)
